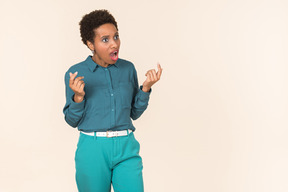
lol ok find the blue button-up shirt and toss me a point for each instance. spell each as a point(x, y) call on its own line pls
point(112, 97)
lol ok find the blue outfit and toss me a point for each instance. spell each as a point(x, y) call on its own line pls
point(107, 160)
point(112, 98)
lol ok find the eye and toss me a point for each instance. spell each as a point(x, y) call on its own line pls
point(116, 37)
point(105, 40)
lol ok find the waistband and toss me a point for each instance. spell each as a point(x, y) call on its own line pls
point(108, 133)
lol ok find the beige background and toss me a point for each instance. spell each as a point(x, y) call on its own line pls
point(216, 121)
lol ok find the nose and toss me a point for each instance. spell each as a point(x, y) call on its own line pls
point(113, 44)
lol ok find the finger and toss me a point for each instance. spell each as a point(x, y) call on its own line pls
point(147, 72)
point(153, 72)
point(159, 72)
point(77, 80)
point(82, 86)
point(159, 66)
point(149, 76)
point(72, 76)
point(79, 83)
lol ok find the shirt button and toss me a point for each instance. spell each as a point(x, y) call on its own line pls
point(111, 94)
point(105, 69)
point(112, 109)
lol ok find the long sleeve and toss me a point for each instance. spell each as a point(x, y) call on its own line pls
point(140, 98)
point(73, 111)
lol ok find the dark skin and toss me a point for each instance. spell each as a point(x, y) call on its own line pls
point(107, 41)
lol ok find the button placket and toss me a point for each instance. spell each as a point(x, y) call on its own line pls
point(112, 99)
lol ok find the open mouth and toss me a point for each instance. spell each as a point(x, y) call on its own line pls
point(114, 55)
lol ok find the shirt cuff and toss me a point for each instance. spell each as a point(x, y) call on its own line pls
point(75, 105)
point(144, 95)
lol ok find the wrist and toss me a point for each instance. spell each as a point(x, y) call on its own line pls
point(146, 89)
point(78, 98)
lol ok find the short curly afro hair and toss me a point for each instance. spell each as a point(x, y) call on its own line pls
point(92, 21)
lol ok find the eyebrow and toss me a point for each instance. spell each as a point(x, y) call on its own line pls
point(105, 36)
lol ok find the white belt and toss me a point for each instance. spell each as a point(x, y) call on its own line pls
point(109, 133)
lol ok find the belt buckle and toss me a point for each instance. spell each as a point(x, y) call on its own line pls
point(107, 133)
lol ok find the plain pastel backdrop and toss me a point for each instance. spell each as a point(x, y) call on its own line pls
point(216, 121)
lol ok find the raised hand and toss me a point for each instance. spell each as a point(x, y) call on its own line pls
point(77, 85)
point(152, 77)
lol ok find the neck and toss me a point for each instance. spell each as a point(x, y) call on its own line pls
point(99, 61)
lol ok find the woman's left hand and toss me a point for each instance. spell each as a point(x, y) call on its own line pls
point(152, 77)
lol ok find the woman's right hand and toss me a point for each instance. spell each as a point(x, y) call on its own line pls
point(77, 85)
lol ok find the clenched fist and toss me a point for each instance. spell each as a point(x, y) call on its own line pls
point(77, 85)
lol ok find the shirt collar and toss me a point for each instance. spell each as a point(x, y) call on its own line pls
point(92, 65)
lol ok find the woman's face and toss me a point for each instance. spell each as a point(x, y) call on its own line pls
point(106, 45)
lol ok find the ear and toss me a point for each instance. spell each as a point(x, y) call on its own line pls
point(90, 45)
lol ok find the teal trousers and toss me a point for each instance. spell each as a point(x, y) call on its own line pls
point(104, 161)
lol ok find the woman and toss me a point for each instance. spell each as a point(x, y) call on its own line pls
point(102, 96)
